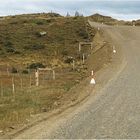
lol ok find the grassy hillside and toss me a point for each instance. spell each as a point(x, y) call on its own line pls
point(29, 41)
point(45, 40)
point(21, 42)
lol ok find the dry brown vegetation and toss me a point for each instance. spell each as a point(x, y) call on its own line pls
point(23, 47)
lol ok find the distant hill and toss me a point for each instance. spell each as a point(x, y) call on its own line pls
point(109, 20)
point(100, 18)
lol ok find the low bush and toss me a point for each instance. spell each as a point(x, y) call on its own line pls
point(64, 52)
point(25, 71)
point(39, 22)
point(14, 70)
point(35, 47)
point(82, 33)
point(69, 60)
point(36, 65)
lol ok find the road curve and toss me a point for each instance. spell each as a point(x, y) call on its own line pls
point(115, 111)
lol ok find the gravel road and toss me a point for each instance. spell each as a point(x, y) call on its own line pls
point(115, 110)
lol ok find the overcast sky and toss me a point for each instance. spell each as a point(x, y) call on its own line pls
point(120, 9)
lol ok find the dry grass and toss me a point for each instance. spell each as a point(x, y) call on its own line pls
point(61, 41)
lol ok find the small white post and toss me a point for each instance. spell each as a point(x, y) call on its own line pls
point(13, 87)
point(53, 75)
point(92, 73)
point(83, 58)
point(92, 78)
point(37, 77)
point(79, 47)
point(114, 50)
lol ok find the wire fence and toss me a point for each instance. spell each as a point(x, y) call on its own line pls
point(11, 84)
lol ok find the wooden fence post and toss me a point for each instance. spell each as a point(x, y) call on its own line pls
point(53, 75)
point(91, 46)
point(21, 83)
point(79, 47)
point(30, 80)
point(13, 87)
point(37, 77)
point(30, 83)
point(1, 88)
point(83, 58)
point(8, 71)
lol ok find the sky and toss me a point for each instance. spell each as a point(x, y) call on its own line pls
point(120, 9)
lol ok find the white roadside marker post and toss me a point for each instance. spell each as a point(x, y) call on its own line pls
point(114, 50)
point(92, 79)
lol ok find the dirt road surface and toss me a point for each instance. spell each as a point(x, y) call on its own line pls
point(114, 110)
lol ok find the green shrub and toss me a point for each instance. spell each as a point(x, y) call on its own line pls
point(14, 22)
point(10, 50)
point(82, 33)
point(8, 44)
point(25, 72)
point(9, 47)
point(37, 34)
point(64, 52)
point(14, 70)
point(69, 60)
point(39, 22)
point(35, 47)
point(36, 65)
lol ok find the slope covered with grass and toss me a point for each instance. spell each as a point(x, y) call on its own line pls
point(22, 41)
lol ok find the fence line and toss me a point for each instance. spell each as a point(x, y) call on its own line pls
point(11, 84)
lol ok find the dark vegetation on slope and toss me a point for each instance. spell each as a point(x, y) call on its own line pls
point(46, 36)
